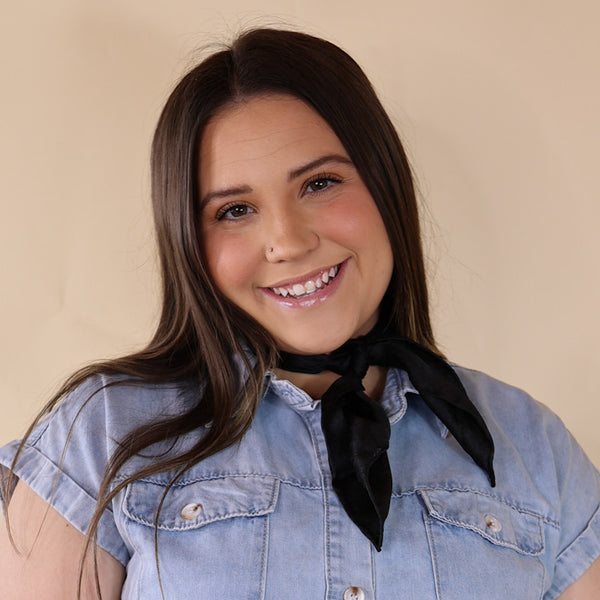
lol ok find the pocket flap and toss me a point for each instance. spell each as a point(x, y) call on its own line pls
point(493, 519)
point(195, 504)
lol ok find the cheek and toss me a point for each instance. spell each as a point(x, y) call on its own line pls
point(229, 262)
point(357, 223)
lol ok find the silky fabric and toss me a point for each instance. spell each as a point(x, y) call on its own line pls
point(357, 430)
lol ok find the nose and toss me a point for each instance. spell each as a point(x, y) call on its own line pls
point(290, 237)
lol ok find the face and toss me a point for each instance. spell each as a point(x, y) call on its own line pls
point(290, 232)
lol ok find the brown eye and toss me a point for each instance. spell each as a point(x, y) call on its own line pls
point(233, 212)
point(321, 183)
point(238, 211)
point(318, 185)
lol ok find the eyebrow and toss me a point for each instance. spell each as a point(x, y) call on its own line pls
point(245, 189)
point(234, 191)
point(313, 164)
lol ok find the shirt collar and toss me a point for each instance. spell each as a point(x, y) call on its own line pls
point(394, 399)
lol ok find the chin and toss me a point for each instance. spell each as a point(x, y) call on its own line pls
point(314, 345)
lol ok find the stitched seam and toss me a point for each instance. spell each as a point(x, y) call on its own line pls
point(528, 550)
point(197, 525)
point(326, 537)
point(373, 574)
point(589, 526)
point(135, 550)
point(265, 553)
point(488, 537)
point(542, 578)
point(501, 499)
point(433, 554)
point(258, 512)
point(224, 475)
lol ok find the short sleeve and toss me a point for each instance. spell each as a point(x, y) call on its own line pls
point(64, 459)
point(538, 461)
point(579, 522)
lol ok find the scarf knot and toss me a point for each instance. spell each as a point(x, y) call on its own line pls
point(357, 429)
point(352, 357)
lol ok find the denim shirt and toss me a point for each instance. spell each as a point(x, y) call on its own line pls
point(260, 520)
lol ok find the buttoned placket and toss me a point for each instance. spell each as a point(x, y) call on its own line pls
point(348, 553)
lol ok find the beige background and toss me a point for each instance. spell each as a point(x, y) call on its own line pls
point(497, 101)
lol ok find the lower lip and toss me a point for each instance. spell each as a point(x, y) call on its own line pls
point(318, 297)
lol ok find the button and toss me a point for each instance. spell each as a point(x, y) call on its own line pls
point(492, 523)
point(191, 511)
point(353, 593)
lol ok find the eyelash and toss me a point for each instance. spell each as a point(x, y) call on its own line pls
point(222, 212)
point(329, 178)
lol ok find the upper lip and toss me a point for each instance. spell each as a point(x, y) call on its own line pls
point(303, 278)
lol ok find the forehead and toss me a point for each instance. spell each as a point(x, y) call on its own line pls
point(246, 114)
point(270, 129)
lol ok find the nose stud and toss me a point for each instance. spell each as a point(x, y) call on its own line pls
point(269, 250)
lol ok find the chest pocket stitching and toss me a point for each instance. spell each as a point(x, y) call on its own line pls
point(221, 499)
point(521, 531)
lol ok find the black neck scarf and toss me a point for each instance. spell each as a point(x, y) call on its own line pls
point(357, 430)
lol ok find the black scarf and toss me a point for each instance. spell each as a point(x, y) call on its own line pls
point(357, 430)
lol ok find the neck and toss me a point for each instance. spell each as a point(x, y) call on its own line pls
point(316, 385)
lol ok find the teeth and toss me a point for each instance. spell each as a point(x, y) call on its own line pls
point(309, 287)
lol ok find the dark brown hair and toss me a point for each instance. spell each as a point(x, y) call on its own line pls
point(200, 331)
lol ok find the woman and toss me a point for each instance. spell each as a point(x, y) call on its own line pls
point(207, 465)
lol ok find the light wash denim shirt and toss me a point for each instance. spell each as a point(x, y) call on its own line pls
point(260, 520)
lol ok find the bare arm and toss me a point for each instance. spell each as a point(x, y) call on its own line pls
point(587, 587)
point(47, 566)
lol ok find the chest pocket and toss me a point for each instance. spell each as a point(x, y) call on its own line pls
point(215, 531)
point(483, 547)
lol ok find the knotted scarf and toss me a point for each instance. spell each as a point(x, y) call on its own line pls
point(357, 429)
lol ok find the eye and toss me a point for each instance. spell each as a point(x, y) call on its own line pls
point(232, 212)
point(321, 183)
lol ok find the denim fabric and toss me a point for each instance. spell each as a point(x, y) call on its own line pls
point(260, 520)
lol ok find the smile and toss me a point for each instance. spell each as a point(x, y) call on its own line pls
point(306, 288)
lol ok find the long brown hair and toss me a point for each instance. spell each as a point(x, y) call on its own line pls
point(200, 331)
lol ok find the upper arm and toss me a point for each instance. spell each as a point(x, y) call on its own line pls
point(587, 587)
point(45, 562)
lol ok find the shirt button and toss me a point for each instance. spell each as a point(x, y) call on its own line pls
point(191, 511)
point(353, 593)
point(492, 523)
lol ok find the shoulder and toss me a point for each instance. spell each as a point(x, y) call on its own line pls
point(510, 409)
point(76, 439)
point(524, 429)
point(534, 450)
point(112, 404)
point(538, 460)
point(65, 457)
point(488, 390)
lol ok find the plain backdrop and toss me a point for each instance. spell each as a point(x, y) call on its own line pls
point(496, 100)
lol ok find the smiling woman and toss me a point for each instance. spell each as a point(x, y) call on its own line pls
point(293, 385)
point(290, 232)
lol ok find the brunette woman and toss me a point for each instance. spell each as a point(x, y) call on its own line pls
point(292, 429)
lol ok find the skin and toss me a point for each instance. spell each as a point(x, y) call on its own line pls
point(281, 204)
point(321, 217)
point(46, 565)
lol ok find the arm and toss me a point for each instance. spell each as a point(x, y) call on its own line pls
point(587, 587)
point(48, 563)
